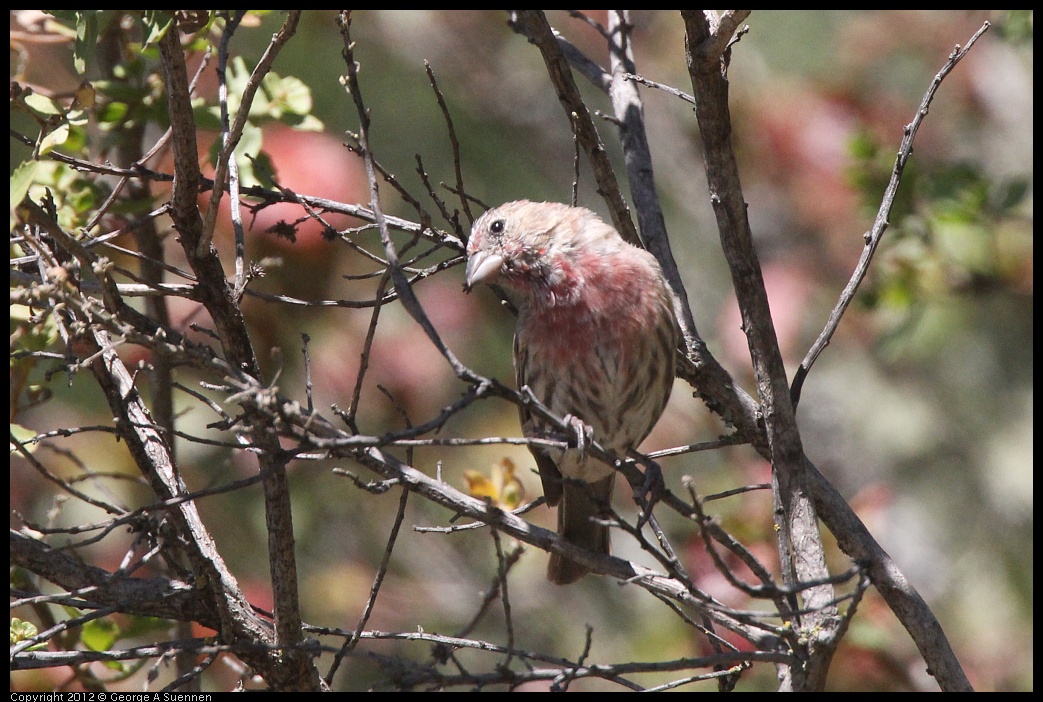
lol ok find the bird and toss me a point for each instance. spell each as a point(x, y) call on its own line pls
point(595, 342)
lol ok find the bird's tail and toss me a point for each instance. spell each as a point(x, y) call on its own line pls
point(579, 503)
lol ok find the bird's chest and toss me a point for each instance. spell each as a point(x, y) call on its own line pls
point(577, 365)
point(571, 341)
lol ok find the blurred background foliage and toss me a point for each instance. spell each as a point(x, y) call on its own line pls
point(920, 410)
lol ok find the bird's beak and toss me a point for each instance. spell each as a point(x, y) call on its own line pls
point(482, 267)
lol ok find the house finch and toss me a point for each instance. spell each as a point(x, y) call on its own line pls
point(595, 343)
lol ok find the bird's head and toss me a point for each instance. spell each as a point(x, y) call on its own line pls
point(533, 247)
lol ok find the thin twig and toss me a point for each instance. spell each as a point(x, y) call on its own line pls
point(234, 132)
point(453, 141)
point(374, 589)
point(534, 25)
point(874, 236)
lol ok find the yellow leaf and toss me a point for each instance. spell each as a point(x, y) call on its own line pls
point(500, 487)
point(478, 485)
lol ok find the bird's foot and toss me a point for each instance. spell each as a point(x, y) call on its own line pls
point(583, 432)
point(650, 492)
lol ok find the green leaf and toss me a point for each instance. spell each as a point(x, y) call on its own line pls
point(21, 179)
point(22, 630)
point(56, 137)
point(82, 200)
point(250, 143)
point(1010, 194)
point(157, 22)
point(100, 634)
point(863, 145)
point(287, 94)
point(86, 39)
point(43, 105)
point(22, 435)
point(113, 112)
point(77, 118)
point(237, 76)
point(29, 331)
point(304, 123)
point(262, 169)
point(142, 626)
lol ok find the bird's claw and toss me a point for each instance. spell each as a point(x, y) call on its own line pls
point(584, 432)
point(651, 491)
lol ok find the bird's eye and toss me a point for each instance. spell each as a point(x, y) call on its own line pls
point(497, 225)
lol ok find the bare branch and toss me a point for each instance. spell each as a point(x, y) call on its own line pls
point(799, 541)
point(876, 234)
point(533, 24)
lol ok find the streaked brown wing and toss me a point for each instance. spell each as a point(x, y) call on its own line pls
point(550, 476)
